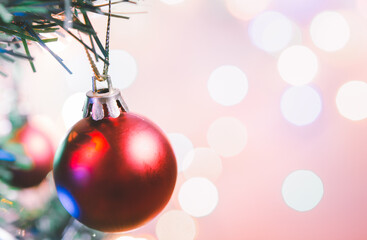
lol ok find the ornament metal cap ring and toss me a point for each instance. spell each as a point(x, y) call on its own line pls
point(104, 102)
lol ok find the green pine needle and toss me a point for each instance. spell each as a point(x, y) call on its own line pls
point(25, 45)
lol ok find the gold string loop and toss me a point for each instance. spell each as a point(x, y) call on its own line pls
point(96, 73)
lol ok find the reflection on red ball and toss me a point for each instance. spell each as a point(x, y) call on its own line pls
point(38, 147)
point(115, 174)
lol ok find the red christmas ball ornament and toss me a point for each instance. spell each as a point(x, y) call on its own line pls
point(115, 170)
point(38, 148)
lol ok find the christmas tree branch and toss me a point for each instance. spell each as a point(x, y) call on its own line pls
point(25, 20)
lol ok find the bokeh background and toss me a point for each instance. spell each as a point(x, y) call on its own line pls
point(264, 101)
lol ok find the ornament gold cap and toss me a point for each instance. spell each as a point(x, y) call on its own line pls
point(109, 97)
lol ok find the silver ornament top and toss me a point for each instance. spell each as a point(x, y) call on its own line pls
point(100, 100)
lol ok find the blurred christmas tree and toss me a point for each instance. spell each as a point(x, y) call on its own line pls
point(29, 207)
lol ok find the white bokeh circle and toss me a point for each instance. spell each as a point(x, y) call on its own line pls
point(351, 100)
point(329, 31)
point(228, 85)
point(246, 9)
point(297, 65)
point(72, 110)
point(271, 31)
point(5, 127)
point(300, 105)
point(302, 190)
point(198, 197)
point(123, 68)
point(175, 224)
point(81, 79)
point(181, 146)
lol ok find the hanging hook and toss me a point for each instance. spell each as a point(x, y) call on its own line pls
point(102, 90)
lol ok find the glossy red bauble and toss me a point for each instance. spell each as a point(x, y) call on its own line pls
point(115, 174)
point(38, 148)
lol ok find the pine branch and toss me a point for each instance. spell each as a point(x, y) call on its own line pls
point(22, 21)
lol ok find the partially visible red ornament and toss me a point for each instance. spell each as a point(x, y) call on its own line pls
point(115, 170)
point(38, 148)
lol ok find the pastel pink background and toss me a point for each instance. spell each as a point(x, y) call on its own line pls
point(176, 48)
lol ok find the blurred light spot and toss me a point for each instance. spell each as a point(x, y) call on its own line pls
point(5, 127)
point(181, 146)
point(5, 235)
point(297, 65)
point(68, 202)
point(44, 224)
point(246, 9)
point(6, 201)
point(48, 126)
point(123, 68)
point(302, 190)
point(300, 105)
point(37, 146)
point(329, 31)
point(143, 149)
point(227, 85)
point(7, 97)
point(271, 31)
point(6, 156)
point(177, 225)
point(171, 2)
point(227, 136)
point(198, 197)
point(351, 100)
point(126, 236)
point(96, 147)
point(81, 175)
point(35, 198)
point(81, 79)
point(72, 109)
point(203, 162)
point(300, 10)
